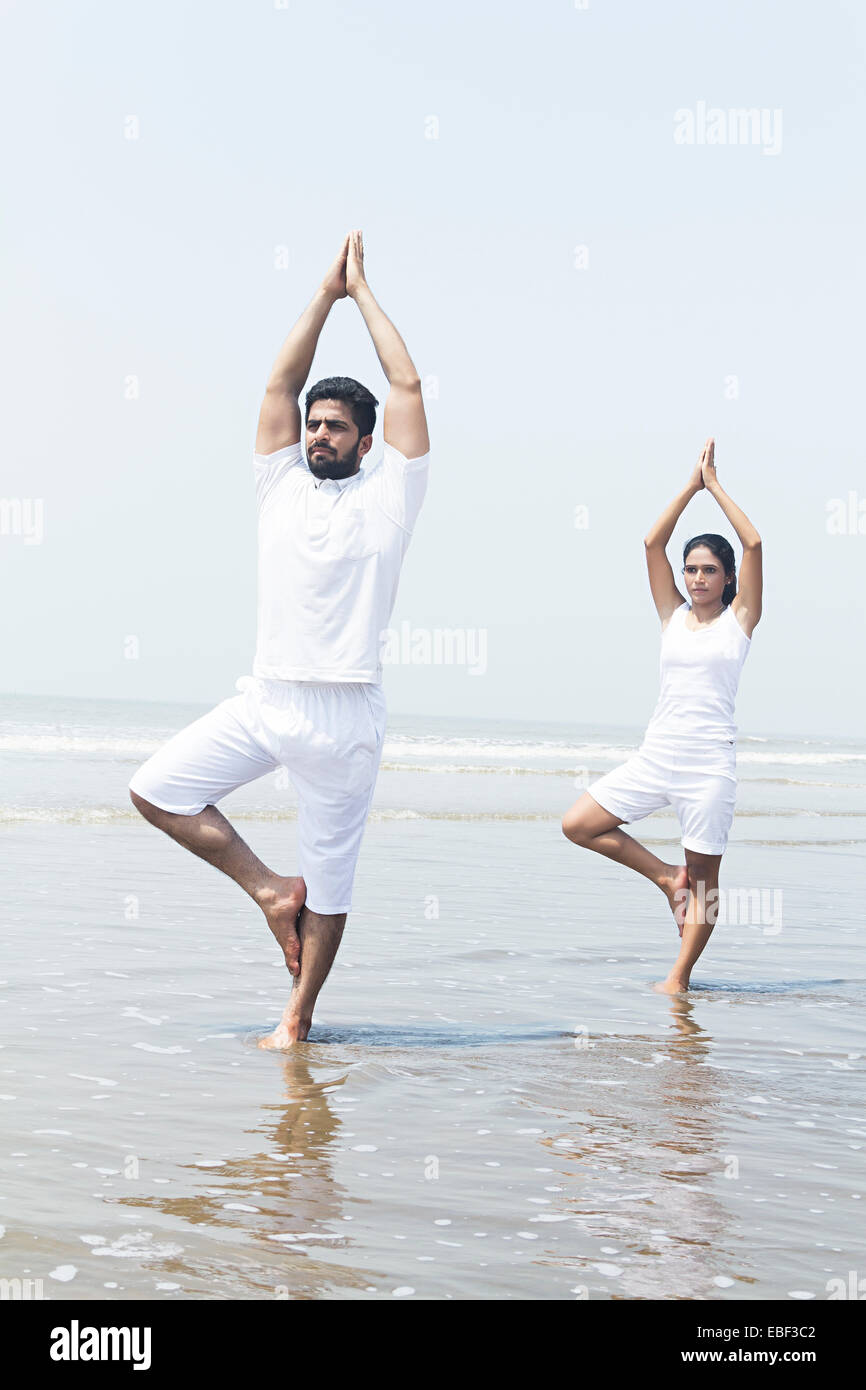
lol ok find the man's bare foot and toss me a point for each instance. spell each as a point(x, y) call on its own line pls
point(675, 886)
point(672, 985)
point(281, 903)
point(286, 1032)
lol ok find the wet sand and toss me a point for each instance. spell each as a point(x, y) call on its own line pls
point(493, 1103)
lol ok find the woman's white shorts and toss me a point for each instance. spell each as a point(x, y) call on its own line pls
point(701, 788)
point(329, 739)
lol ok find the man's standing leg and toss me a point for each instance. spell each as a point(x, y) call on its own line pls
point(320, 938)
point(334, 773)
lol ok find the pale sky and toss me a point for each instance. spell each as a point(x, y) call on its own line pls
point(720, 292)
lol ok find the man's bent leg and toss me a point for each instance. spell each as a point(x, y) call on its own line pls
point(177, 790)
point(211, 837)
point(320, 937)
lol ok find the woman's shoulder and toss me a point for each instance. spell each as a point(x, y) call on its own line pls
point(741, 617)
point(676, 615)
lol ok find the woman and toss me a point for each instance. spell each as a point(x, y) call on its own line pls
point(688, 757)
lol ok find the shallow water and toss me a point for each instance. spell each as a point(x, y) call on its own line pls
point(493, 1102)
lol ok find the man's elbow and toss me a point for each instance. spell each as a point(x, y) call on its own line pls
point(280, 387)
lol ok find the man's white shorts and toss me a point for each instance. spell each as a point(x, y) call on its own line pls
point(329, 739)
point(701, 788)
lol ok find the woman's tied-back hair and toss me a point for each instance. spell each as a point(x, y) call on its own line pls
point(361, 402)
point(723, 551)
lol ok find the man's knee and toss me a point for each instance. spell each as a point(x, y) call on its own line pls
point(703, 871)
point(144, 807)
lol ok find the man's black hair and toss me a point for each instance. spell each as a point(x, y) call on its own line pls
point(361, 402)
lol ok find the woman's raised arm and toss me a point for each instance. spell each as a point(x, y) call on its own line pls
point(747, 600)
point(666, 596)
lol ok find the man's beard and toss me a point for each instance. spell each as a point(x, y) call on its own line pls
point(329, 466)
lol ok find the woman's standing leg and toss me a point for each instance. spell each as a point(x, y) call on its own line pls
point(701, 910)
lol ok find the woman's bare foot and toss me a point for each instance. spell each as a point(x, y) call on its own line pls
point(287, 1031)
point(281, 903)
point(675, 886)
point(674, 984)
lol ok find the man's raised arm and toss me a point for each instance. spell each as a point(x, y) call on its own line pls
point(280, 415)
point(404, 423)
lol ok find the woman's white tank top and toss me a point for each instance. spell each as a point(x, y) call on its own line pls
point(700, 673)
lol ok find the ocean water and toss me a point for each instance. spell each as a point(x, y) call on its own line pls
point(493, 1102)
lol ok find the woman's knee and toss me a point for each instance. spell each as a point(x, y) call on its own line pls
point(576, 829)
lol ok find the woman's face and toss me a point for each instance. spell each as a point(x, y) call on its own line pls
point(705, 578)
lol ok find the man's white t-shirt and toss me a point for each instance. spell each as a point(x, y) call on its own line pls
point(330, 553)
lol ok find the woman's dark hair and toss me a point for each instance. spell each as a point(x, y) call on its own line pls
point(723, 551)
point(361, 402)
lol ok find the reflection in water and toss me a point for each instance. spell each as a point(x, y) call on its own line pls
point(285, 1196)
point(646, 1163)
point(534, 1165)
point(449, 1035)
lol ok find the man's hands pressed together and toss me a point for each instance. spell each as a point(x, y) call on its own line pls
point(404, 422)
point(355, 277)
point(334, 283)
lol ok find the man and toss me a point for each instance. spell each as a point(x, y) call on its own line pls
point(332, 537)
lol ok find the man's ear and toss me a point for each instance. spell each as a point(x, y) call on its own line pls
point(365, 445)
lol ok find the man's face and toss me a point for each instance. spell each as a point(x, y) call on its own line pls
point(334, 446)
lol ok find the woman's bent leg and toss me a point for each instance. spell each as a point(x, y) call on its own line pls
point(592, 827)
